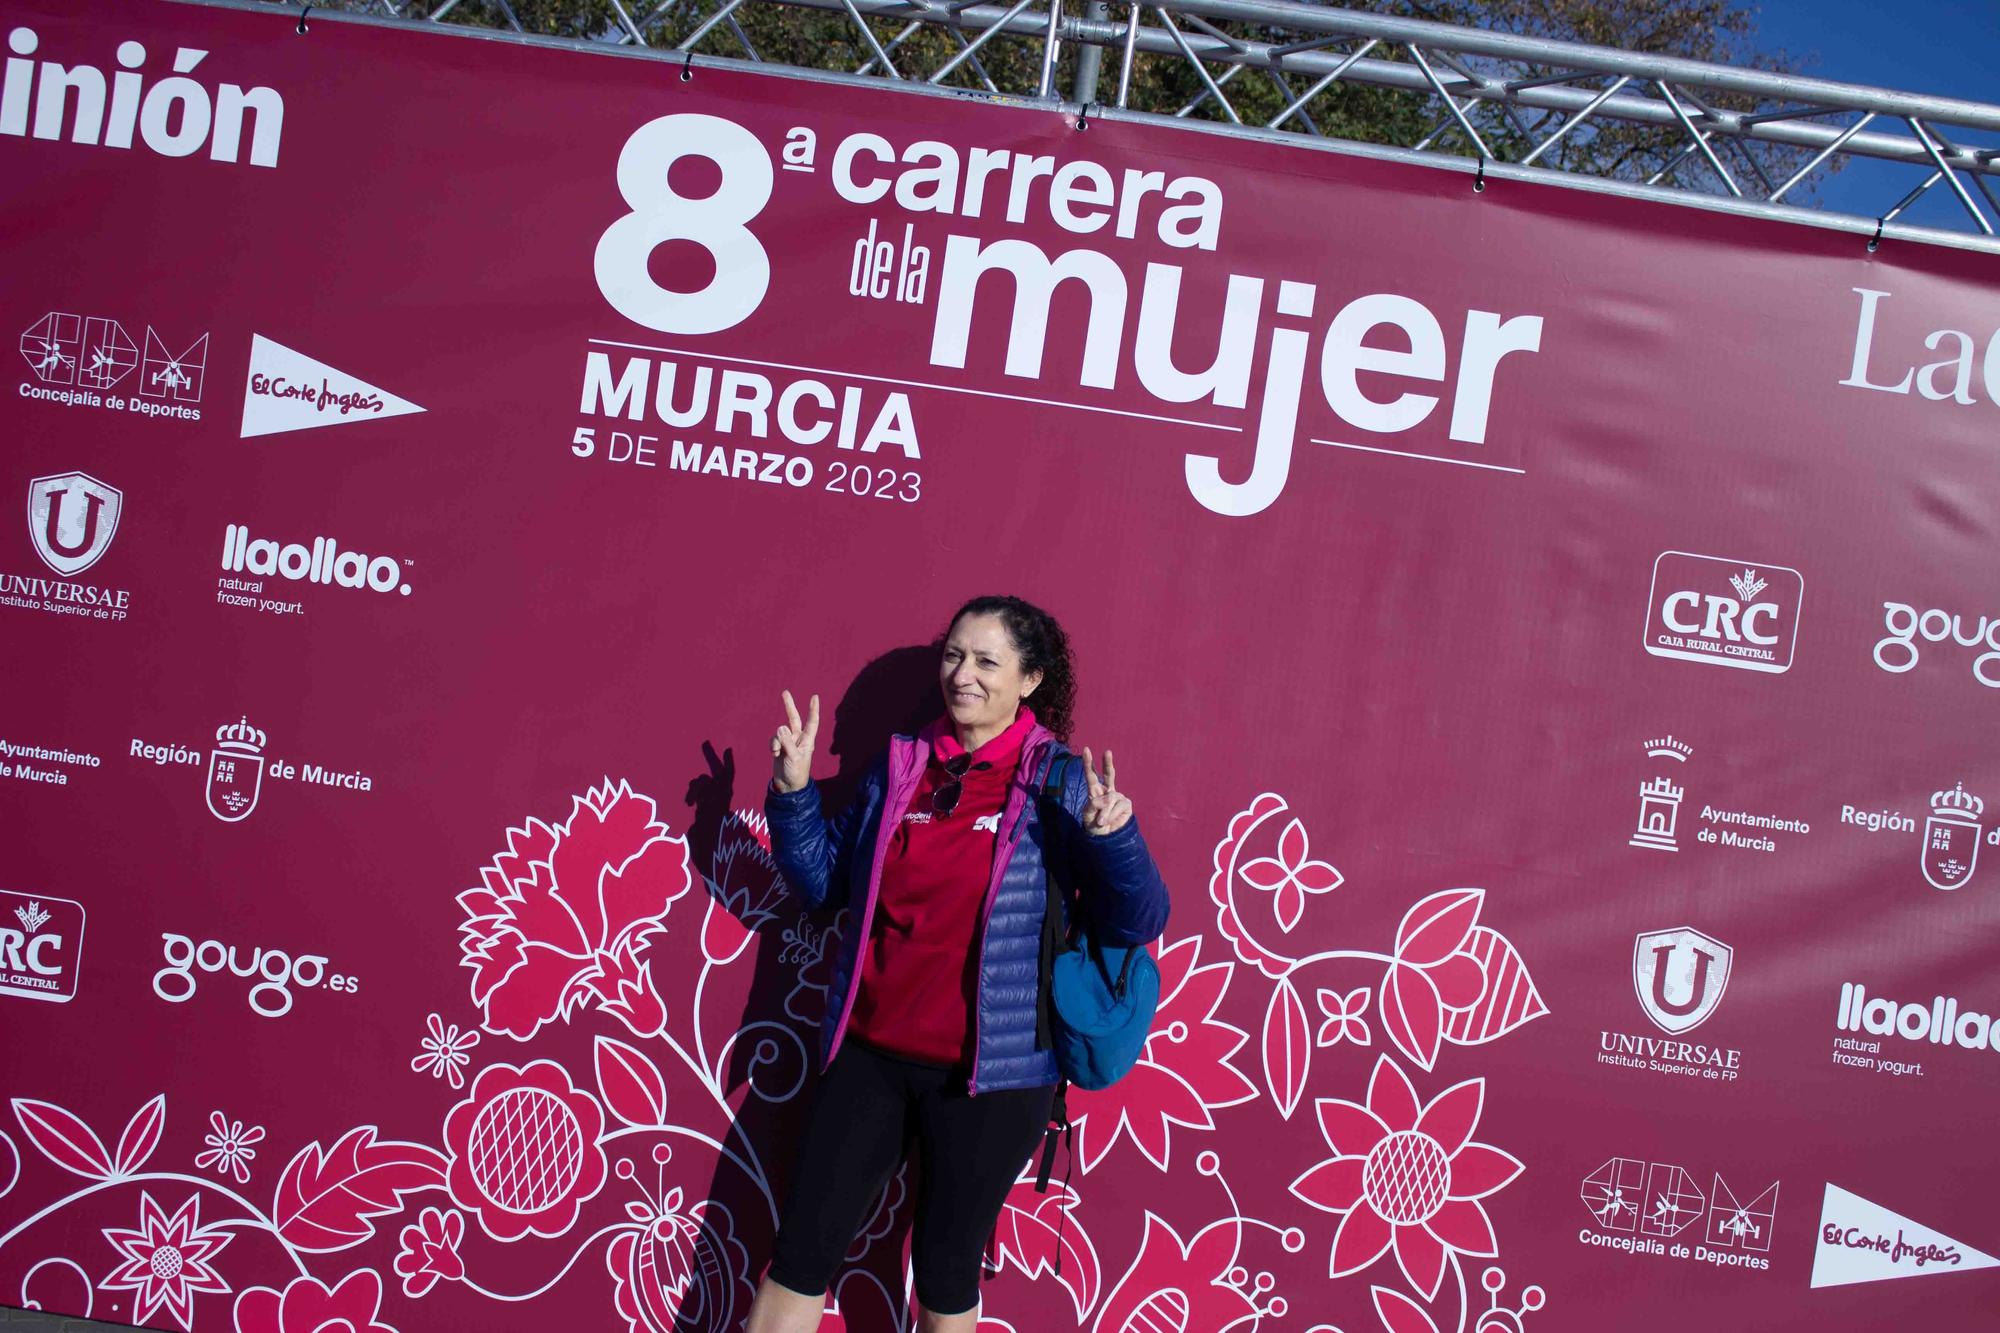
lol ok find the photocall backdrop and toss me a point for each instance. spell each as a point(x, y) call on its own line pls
point(1550, 641)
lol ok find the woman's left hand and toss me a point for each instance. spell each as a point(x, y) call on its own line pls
point(1109, 809)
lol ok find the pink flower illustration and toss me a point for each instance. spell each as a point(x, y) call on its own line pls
point(446, 1053)
point(1184, 1074)
point(680, 1269)
point(167, 1260)
point(428, 1250)
point(1346, 1018)
point(744, 887)
point(525, 1150)
point(566, 913)
point(1452, 978)
point(1291, 875)
point(307, 1305)
point(230, 1149)
point(1179, 1284)
point(1408, 1178)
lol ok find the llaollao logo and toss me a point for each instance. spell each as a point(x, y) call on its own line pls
point(320, 561)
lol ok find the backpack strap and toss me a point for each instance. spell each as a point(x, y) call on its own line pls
point(1054, 937)
point(1059, 1128)
point(1055, 940)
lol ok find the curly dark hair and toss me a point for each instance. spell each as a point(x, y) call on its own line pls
point(1043, 647)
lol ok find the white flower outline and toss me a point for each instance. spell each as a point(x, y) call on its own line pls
point(230, 1149)
point(444, 1054)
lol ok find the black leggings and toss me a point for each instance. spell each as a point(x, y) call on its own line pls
point(868, 1108)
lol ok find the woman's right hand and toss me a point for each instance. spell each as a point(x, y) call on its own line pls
point(792, 746)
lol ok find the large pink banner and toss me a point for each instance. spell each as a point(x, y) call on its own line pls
point(1550, 641)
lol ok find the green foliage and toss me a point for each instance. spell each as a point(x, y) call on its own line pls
point(798, 34)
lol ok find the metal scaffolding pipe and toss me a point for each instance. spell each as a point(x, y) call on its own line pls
point(1542, 97)
point(1569, 84)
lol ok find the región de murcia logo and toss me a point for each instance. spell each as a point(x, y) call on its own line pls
point(235, 771)
point(1948, 850)
point(237, 768)
point(1951, 838)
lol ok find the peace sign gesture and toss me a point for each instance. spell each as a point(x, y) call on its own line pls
point(792, 746)
point(1109, 809)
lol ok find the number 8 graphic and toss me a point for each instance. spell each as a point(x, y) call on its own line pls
point(717, 224)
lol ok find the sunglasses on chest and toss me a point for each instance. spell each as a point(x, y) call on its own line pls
point(945, 796)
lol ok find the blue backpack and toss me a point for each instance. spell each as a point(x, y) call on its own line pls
point(1098, 999)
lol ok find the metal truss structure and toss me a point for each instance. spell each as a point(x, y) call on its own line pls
point(1490, 104)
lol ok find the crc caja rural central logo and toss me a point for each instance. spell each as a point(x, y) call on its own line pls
point(1732, 613)
point(41, 946)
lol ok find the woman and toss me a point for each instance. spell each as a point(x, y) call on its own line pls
point(931, 1035)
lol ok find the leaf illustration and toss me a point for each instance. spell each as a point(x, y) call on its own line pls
point(64, 1139)
point(1434, 928)
point(632, 1085)
point(1287, 1047)
point(1027, 1236)
point(142, 1135)
point(1400, 1314)
point(1411, 1014)
point(1507, 996)
point(326, 1197)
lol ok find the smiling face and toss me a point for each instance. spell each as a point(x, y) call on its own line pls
point(982, 679)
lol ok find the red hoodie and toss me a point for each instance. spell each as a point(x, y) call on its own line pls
point(920, 963)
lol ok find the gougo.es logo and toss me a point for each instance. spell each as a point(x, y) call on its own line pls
point(273, 971)
point(1897, 651)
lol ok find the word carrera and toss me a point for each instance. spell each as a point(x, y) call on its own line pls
point(1377, 350)
point(1080, 195)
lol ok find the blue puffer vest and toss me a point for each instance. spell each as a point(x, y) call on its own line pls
point(833, 863)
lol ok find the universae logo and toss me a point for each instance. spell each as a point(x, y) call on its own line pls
point(72, 518)
point(1730, 613)
point(1679, 976)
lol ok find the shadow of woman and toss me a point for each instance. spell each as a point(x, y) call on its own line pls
point(769, 1067)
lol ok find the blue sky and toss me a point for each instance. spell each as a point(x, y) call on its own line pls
point(1950, 48)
